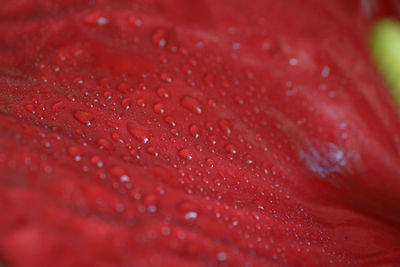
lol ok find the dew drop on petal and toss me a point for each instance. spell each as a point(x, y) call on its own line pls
point(84, 117)
point(159, 38)
point(192, 104)
point(185, 154)
point(230, 148)
point(162, 92)
point(139, 132)
point(225, 126)
point(159, 108)
point(194, 131)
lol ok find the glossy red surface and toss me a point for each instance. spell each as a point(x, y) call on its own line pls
point(194, 133)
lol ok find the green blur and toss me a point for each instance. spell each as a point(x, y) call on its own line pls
point(385, 48)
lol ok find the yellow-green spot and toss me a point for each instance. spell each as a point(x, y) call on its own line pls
point(385, 48)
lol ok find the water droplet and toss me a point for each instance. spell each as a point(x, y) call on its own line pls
point(185, 154)
point(152, 151)
point(190, 82)
point(212, 103)
point(212, 139)
point(139, 132)
point(162, 92)
point(159, 38)
point(104, 143)
point(210, 163)
point(192, 104)
point(124, 178)
point(230, 148)
point(174, 132)
point(293, 61)
point(45, 143)
point(222, 256)
point(96, 161)
point(248, 159)
point(84, 117)
point(170, 121)
point(191, 215)
point(135, 21)
point(120, 173)
point(159, 108)
point(117, 137)
point(75, 152)
point(102, 21)
point(225, 126)
point(239, 100)
point(126, 103)
point(209, 126)
point(165, 77)
point(209, 80)
point(151, 201)
point(140, 102)
point(188, 209)
point(107, 95)
point(134, 153)
point(163, 59)
point(194, 131)
point(325, 71)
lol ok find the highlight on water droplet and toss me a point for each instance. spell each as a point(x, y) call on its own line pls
point(185, 154)
point(194, 131)
point(84, 117)
point(105, 143)
point(225, 126)
point(120, 173)
point(96, 161)
point(188, 209)
point(162, 92)
point(230, 148)
point(159, 38)
point(159, 108)
point(75, 152)
point(192, 104)
point(139, 132)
